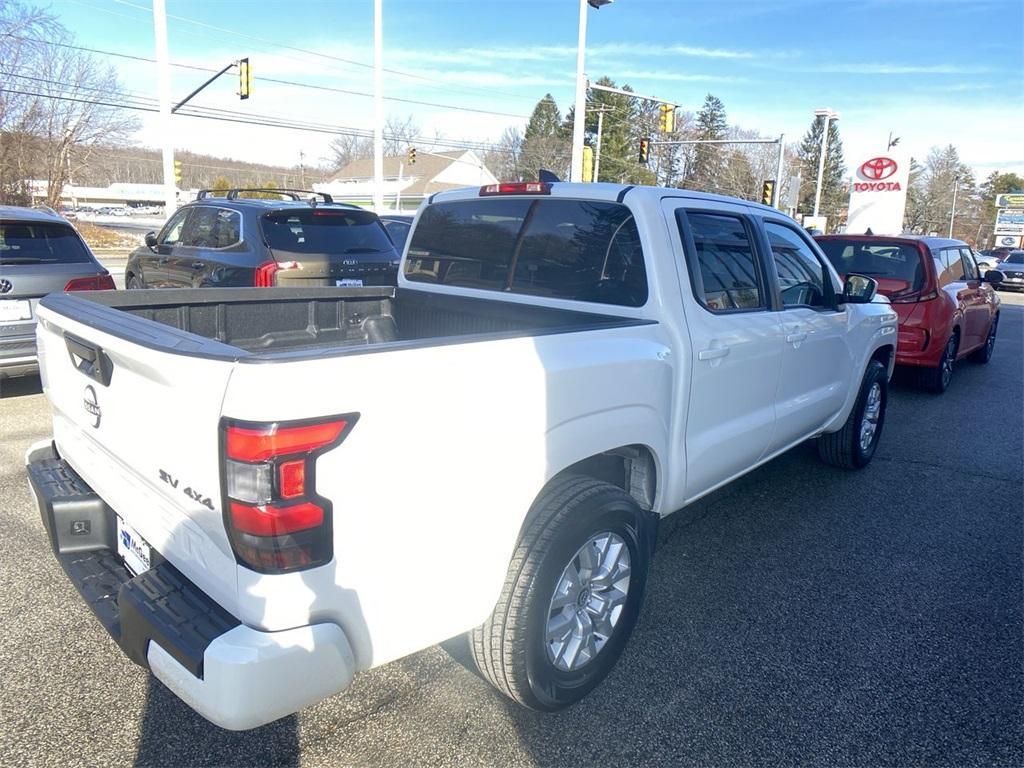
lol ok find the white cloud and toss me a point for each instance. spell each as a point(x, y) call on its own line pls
point(682, 77)
point(899, 69)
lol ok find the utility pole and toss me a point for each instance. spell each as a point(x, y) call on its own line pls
point(378, 107)
point(579, 116)
point(827, 114)
point(302, 169)
point(777, 189)
point(163, 75)
point(952, 212)
point(597, 150)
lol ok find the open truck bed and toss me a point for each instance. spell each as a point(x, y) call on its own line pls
point(296, 323)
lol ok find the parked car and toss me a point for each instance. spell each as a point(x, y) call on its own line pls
point(986, 260)
point(39, 253)
point(1012, 270)
point(947, 310)
point(560, 366)
point(232, 241)
point(397, 226)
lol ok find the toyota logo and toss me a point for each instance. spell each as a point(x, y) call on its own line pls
point(878, 168)
point(5, 286)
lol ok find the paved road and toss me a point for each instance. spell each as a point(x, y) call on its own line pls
point(802, 615)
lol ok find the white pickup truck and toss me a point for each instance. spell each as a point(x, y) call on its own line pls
point(262, 492)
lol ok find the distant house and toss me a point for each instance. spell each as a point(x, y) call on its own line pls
point(406, 185)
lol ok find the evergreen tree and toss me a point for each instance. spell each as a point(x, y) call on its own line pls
point(621, 132)
point(545, 144)
point(835, 192)
point(707, 162)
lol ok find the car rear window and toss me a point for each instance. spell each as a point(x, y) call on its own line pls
point(889, 261)
point(326, 231)
point(31, 242)
point(567, 249)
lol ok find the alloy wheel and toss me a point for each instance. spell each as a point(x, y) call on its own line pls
point(872, 414)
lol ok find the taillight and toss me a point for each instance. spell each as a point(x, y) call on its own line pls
point(275, 520)
point(266, 274)
point(516, 188)
point(102, 282)
point(911, 297)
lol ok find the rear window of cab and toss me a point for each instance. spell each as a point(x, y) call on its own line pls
point(582, 250)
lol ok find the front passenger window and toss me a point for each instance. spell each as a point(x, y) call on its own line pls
point(970, 271)
point(172, 230)
point(801, 275)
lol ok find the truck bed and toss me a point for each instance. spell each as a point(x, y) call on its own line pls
point(298, 322)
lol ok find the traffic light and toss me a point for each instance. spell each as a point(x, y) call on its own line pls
point(410, 156)
point(768, 191)
point(645, 151)
point(588, 163)
point(177, 172)
point(667, 120)
point(244, 78)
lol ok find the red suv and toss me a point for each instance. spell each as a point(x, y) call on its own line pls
point(946, 310)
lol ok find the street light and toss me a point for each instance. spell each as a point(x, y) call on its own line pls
point(580, 116)
point(828, 114)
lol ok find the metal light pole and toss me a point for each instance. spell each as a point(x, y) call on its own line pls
point(952, 212)
point(777, 189)
point(828, 114)
point(378, 107)
point(597, 151)
point(163, 79)
point(579, 120)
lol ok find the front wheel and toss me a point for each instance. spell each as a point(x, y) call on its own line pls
point(571, 597)
point(134, 283)
point(853, 446)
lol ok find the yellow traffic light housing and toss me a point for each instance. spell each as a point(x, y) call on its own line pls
point(177, 172)
point(645, 151)
point(244, 78)
point(768, 191)
point(667, 119)
point(410, 156)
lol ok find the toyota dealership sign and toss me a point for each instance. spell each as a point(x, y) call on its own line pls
point(878, 195)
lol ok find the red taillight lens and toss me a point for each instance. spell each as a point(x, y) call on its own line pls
point(275, 520)
point(516, 188)
point(102, 282)
point(266, 274)
point(911, 297)
point(269, 440)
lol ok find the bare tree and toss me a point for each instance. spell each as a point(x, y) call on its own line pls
point(399, 135)
point(503, 160)
point(64, 105)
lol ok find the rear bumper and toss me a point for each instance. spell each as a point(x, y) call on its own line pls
point(233, 675)
point(18, 355)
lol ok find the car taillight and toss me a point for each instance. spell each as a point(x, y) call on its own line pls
point(516, 188)
point(102, 282)
point(910, 297)
point(275, 520)
point(266, 274)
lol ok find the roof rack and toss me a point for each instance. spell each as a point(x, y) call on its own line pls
point(294, 194)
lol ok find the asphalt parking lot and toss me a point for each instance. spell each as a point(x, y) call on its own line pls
point(801, 615)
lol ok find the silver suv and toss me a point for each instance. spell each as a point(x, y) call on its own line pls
point(40, 253)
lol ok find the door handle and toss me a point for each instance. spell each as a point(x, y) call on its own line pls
point(712, 353)
point(198, 264)
point(796, 337)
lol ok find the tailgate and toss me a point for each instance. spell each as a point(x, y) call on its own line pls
point(139, 423)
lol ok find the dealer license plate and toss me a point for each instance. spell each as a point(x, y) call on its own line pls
point(132, 548)
point(13, 310)
point(348, 283)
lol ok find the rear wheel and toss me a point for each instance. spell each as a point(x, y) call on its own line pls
point(984, 354)
point(853, 446)
point(571, 597)
point(937, 379)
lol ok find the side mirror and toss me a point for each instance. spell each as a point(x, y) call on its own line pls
point(151, 240)
point(993, 276)
point(859, 289)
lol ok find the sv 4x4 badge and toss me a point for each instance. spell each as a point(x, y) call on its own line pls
point(193, 494)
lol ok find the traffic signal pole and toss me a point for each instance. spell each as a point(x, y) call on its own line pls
point(378, 108)
point(163, 75)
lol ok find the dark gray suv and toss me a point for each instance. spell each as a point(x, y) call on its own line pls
point(242, 237)
point(40, 253)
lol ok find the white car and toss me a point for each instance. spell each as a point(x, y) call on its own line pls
point(1012, 270)
point(263, 492)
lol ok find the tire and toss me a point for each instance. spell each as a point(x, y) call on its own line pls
point(134, 283)
point(937, 380)
point(984, 354)
point(512, 648)
point(845, 448)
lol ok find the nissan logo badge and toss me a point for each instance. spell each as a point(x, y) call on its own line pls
point(91, 405)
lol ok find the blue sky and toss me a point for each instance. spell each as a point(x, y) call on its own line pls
point(934, 72)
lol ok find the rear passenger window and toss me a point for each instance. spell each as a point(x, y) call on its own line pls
point(801, 275)
point(584, 250)
point(952, 266)
point(724, 269)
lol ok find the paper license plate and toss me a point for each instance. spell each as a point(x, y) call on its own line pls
point(13, 310)
point(132, 548)
point(348, 282)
